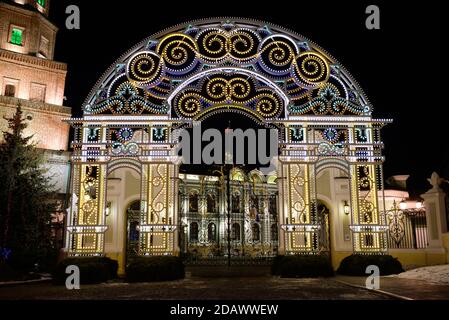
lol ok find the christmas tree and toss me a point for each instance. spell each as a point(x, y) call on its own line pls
point(25, 200)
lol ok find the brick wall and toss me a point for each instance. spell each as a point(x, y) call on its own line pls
point(46, 122)
point(26, 70)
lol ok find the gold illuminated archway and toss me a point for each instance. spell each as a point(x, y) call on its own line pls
point(206, 66)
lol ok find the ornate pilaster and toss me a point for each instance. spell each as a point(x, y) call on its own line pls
point(86, 226)
point(298, 225)
point(368, 226)
point(159, 204)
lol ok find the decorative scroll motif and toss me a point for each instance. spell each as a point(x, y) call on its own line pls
point(86, 231)
point(157, 221)
point(145, 69)
point(328, 149)
point(332, 99)
point(130, 149)
point(332, 142)
point(368, 227)
point(158, 194)
point(125, 97)
point(222, 90)
point(88, 206)
point(407, 228)
point(396, 226)
point(142, 82)
point(298, 190)
point(253, 216)
point(300, 225)
point(367, 195)
point(211, 67)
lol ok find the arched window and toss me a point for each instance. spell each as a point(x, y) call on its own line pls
point(254, 207)
point(134, 231)
point(235, 232)
point(236, 202)
point(211, 203)
point(274, 232)
point(193, 202)
point(256, 232)
point(194, 231)
point(211, 232)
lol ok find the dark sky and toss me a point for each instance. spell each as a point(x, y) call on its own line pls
point(397, 66)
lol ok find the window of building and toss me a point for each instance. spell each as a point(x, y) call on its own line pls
point(274, 232)
point(211, 232)
point(254, 202)
point(10, 90)
point(37, 92)
point(193, 202)
point(256, 232)
point(211, 203)
point(235, 232)
point(17, 36)
point(194, 231)
point(273, 204)
point(236, 202)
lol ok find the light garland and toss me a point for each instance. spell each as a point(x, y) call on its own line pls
point(276, 78)
point(175, 57)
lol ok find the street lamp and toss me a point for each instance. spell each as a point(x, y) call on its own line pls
point(108, 209)
point(346, 207)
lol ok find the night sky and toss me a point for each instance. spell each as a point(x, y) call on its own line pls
point(397, 66)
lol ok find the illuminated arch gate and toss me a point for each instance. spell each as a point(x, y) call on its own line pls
point(192, 71)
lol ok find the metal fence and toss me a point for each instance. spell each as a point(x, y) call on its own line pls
point(407, 229)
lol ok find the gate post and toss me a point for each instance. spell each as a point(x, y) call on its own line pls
point(437, 221)
point(86, 224)
point(159, 203)
point(299, 231)
point(368, 227)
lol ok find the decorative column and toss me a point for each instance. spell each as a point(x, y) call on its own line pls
point(87, 226)
point(299, 231)
point(437, 222)
point(368, 227)
point(159, 205)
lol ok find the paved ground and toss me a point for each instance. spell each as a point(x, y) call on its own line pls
point(410, 288)
point(198, 289)
point(200, 285)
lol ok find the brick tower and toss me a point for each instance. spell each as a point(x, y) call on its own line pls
point(28, 73)
point(30, 77)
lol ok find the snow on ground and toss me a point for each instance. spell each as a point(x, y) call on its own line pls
point(435, 274)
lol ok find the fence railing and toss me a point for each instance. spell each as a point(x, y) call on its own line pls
point(407, 229)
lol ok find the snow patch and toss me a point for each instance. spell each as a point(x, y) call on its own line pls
point(435, 274)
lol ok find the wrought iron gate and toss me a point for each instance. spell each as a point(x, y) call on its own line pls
point(133, 230)
point(210, 233)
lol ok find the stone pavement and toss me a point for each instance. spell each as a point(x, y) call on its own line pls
point(407, 288)
point(195, 288)
point(229, 287)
